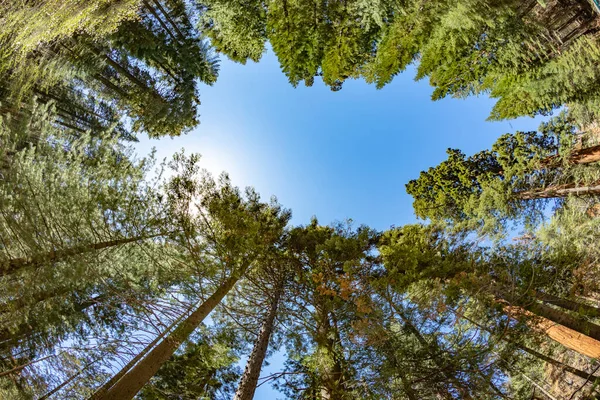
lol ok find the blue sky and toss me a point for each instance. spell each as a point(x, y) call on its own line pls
point(334, 155)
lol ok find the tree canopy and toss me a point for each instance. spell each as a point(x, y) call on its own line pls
point(122, 277)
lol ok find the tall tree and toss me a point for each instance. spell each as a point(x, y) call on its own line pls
point(278, 273)
point(228, 232)
point(499, 278)
point(512, 181)
point(321, 310)
point(205, 368)
point(153, 79)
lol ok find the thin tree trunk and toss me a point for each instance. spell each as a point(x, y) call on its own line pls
point(106, 82)
point(168, 17)
point(575, 371)
point(20, 367)
point(568, 304)
point(115, 378)
point(66, 382)
point(160, 21)
point(249, 380)
point(432, 348)
point(559, 191)
point(559, 364)
point(534, 383)
point(123, 70)
point(13, 265)
point(131, 383)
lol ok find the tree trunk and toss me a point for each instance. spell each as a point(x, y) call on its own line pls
point(66, 382)
point(11, 266)
point(115, 378)
point(577, 324)
point(541, 389)
point(106, 82)
point(249, 380)
point(168, 17)
point(131, 383)
point(432, 348)
point(20, 367)
point(559, 191)
point(575, 371)
point(160, 21)
point(547, 320)
point(332, 377)
point(123, 70)
point(568, 304)
point(574, 333)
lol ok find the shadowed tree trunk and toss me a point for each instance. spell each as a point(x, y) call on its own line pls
point(132, 381)
point(568, 304)
point(249, 380)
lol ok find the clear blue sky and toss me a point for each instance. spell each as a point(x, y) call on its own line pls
point(335, 155)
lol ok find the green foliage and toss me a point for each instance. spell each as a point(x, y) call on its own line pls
point(204, 369)
point(511, 182)
point(533, 58)
point(146, 64)
point(235, 28)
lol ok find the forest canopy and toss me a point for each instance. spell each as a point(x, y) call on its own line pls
point(125, 277)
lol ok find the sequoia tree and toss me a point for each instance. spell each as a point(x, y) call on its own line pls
point(511, 182)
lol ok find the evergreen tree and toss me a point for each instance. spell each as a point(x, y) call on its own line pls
point(147, 67)
point(322, 309)
point(204, 369)
point(512, 182)
point(222, 231)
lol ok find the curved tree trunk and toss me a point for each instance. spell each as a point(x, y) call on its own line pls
point(131, 382)
point(249, 380)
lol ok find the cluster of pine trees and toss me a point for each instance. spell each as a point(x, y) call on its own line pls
point(122, 277)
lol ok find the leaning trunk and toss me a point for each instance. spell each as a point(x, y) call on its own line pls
point(565, 367)
point(115, 378)
point(575, 334)
point(568, 304)
point(131, 383)
point(249, 380)
point(581, 156)
point(13, 265)
point(559, 191)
